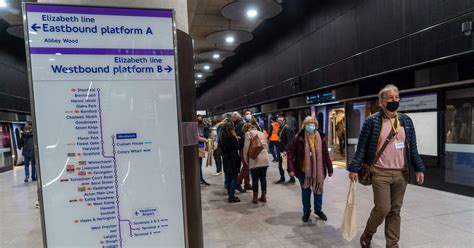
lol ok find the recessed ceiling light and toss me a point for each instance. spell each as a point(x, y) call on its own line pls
point(3, 3)
point(206, 67)
point(216, 56)
point(199, 75)
point(251, 13)
point(229, 39)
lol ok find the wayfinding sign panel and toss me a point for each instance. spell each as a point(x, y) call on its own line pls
point(106, 114)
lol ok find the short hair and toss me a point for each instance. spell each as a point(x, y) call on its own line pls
point(281, 117)
point(236, 114)
point(247, 110)
point(386, 89)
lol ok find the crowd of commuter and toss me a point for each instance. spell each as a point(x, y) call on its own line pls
point(386, 153)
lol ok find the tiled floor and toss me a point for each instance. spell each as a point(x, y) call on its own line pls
point(430, 218)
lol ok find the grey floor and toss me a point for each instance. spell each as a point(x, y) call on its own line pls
point(430, 218)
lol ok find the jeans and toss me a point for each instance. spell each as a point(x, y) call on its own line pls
point(306, 198)
point(218, 159)
point(273, 147)
point(259, 174)
point(230, 183)
point(200, 169)
point(27, 161)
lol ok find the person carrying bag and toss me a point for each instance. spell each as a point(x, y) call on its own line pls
point(256, 156)
point(349, 224)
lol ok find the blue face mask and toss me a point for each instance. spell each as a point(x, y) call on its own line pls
point(310, 128)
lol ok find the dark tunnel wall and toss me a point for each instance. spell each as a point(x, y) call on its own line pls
point(313, 44)
point(14, 95)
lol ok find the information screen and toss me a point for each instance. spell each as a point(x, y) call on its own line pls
point(106, 115)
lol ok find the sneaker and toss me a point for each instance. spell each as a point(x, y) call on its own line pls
point(205, 183)
point(321, 215)
point(248, 187)
point(241, 190)
point(281, 181)
point(26, 179)
point(234, 199)
point(217, 174)
point(34, 179)
point(37, 204)
point(305, 217)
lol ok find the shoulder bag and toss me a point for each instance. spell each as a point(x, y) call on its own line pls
point(365, 176)
point(255, 147)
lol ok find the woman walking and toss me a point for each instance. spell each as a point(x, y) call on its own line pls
point(308, 159)
point(230, 146)
point(259, 165)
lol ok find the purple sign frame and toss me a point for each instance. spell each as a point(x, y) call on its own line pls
point(98, 10)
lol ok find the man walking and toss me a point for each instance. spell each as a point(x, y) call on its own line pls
point(273, 139)
point(286, 136)
point(390, 173)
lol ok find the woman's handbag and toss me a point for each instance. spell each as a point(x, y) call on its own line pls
point(202, 152)
point(364, 174)
point(255, 147)
point(349, 224)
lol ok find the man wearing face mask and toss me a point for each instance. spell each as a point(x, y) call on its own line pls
point(309, 161)
point(27, 145)
point(244, 175)
point(285, 135)
point(390, 173)
point(249, 117)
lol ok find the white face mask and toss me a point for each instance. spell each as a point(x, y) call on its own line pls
point(248, 117)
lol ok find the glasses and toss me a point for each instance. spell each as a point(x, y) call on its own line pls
point(391, 99)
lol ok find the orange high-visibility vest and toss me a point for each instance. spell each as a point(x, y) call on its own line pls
point(274, 134)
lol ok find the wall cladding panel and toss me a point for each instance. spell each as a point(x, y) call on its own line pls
point(421, 14)
point(440, 41)
point(378, 22)
point(349, 40)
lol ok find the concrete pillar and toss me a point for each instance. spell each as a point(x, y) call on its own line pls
point(180, 6)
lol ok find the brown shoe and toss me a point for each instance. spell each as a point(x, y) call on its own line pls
point(263, 198)
point(365, 240)
point(255, 198)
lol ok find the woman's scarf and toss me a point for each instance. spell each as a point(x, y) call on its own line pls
point(313, 165)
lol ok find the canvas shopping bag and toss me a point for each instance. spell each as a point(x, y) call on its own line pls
point(349, 226)
point(284, 161)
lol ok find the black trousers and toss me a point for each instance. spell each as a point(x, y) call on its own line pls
point(282, 171)
point(259, 174)
point(280, 168)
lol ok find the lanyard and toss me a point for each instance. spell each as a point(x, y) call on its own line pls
point(395, 130)
point(281, 131)
point(312, 141)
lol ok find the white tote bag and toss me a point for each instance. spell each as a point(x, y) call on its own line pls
point(284, 161)
point(349, 226)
